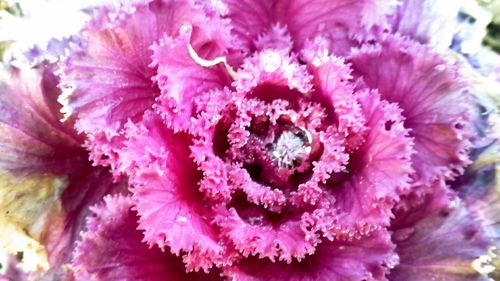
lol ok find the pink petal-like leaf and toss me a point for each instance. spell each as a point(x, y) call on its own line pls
point(112, 249)
point(165, 179)
point(424, 85)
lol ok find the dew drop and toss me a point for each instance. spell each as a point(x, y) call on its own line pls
point(257, 220)
point(271, 61)
point(440, 68)
point(182, 219)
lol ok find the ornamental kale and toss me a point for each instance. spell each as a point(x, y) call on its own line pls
point(255, 140)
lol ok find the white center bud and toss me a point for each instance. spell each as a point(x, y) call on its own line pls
point(292, 148)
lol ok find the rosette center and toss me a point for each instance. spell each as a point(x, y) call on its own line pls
point(274, 145)
point(291, 148)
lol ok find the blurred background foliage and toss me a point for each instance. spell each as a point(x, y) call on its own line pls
point(492, 38)
point(13, 9)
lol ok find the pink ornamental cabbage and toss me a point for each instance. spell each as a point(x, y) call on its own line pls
point(259, 140)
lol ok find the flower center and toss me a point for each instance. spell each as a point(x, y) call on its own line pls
point(291, 148)
point(276, 151)
point(274, 142)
